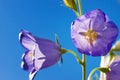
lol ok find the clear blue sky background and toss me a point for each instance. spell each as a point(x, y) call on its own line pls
point(44, 18)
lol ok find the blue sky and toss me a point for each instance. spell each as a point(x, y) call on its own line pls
point(44, 18)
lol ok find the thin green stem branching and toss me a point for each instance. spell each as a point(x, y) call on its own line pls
point(74, 54)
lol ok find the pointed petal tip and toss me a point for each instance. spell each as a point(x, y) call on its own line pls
point(19, 36)
point(32, 75)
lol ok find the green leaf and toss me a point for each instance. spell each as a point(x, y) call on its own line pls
point(104, 70)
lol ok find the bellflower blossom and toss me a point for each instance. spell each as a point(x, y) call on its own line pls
point(40, 53)
point(113, 64)
point(93, 33)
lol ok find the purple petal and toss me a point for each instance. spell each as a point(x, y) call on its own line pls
point(80, 26)
point(110, 32)
point(32, 74)
point(27, 40)
point(50, 50)
point(100, 48)
point(33, 60)
point(27, 63)
point(98, 19)
point(82, 44)
point(105, 39)
point(39, 58)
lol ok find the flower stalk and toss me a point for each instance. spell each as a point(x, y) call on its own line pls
point(83, 67)
point(81, 62)
point(73, 53)
point(83, 55)
point(80, 7)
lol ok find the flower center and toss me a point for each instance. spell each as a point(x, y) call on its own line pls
point(91, 36)
point(30, 54)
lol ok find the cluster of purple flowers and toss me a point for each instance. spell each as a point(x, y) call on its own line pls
point(92, 33)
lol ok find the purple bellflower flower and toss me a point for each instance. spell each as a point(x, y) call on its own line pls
point(112, 64)
point(40, 53)
point(111, 61)
point(114, 73)
point(93, 33)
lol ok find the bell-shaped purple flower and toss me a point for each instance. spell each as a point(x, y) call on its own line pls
point(41, 53)
point(93, 33)
point(114, 73)
point(110, 60)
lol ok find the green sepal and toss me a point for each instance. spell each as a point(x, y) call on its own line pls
point(116, 48)
point(111, 54)
point(63, 51)
point(57, 41)
point(104, 70)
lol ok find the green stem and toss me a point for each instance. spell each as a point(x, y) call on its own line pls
point(105, 70)
point(80, 7)
point(83, 67)
point(96, 77)
point(83, 55)
point(77, 13)
point(73, 53)
point(82, 62)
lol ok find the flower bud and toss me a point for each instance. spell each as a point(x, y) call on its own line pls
point(113, 63)
point(71, 4)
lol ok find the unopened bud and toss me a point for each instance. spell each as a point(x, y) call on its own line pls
point(71, 4)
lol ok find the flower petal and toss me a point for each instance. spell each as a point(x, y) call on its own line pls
point(39, 63)
point(50, 50)
point(82, 44)
point(27, 63)
point(32, 74)
point(111, 32)
point(39, 58)
point(98, 19)
point(27, 40)
point(80, 25)
point(100, 48)
point(105, 39)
